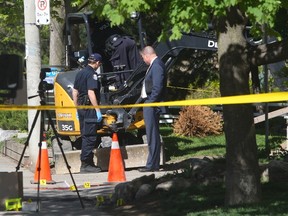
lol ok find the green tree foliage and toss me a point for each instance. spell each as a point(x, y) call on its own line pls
point(11, 27)
point(184, 15)
point(194, 69)
point(14, 120)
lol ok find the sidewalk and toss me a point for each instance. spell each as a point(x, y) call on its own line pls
point(59, 199)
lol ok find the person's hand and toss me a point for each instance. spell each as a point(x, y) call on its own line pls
point(99, 116)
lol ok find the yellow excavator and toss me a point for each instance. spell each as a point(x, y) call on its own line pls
point(128, 122)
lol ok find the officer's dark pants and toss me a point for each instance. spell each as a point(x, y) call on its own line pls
point(151, 118)
point(88, 128)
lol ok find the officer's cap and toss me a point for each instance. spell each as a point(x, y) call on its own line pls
point(95, 57)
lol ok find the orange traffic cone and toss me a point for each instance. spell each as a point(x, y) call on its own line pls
point(116, 171)
point(44, 172)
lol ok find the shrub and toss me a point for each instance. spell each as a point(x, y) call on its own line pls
point(198, 121)
point(14, 120)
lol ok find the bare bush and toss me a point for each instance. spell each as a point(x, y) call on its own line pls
point(198, 121)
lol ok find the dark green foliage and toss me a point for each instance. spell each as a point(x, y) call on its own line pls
point(192, 70)
point(12, 27)
point(14, 120)
point(281, 24)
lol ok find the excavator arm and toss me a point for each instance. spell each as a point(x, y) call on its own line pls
point(129, 91)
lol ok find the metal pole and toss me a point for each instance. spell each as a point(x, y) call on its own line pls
point(33, 68)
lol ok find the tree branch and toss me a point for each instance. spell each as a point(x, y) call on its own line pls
point(268, 53)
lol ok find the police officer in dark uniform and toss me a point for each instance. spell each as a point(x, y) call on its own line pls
point(87, 92)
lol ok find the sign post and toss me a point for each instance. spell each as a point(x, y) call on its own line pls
point(33, 67)
point(42, 9)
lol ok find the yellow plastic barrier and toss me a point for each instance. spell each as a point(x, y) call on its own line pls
point(13, 204)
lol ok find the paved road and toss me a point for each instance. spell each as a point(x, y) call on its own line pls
point(59, 199)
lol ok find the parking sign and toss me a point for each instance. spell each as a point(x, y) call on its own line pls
point(42, 9)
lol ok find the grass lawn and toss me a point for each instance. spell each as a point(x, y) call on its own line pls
point(181, 147)
point(209, 199)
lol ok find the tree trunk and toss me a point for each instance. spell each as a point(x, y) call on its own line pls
point(57, 48)
point(242, 169)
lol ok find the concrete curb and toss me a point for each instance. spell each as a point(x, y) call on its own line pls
point(132, 155)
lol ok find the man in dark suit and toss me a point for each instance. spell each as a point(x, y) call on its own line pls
point(154, 87)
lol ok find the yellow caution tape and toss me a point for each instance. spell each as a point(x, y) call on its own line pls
point(240, 99)
point(181, 88)
point(189, 89)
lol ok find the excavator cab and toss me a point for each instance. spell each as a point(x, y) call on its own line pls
point(85, 35)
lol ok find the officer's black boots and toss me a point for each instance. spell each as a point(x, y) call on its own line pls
point(88, 167)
